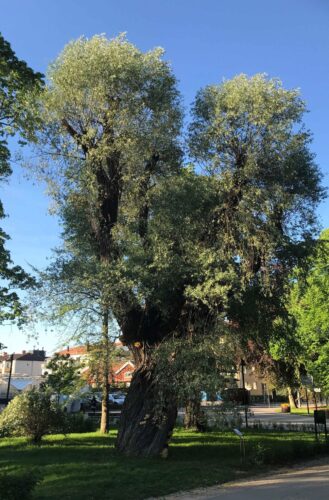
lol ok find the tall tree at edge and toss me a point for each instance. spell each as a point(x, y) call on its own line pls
point(19, 85)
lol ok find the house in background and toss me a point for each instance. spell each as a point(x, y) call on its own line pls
point(121, 373)
point(81, 352)
point(26, 363)
point(26, 371)
point(121, 370)
point(259, 388)
point(78, 353)
point(17, 385)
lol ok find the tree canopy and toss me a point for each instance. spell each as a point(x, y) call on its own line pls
point(248, 134)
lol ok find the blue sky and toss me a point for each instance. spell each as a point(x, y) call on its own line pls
point(205, 40)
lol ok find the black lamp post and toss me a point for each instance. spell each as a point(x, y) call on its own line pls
point(9, 379)
point(242, 365)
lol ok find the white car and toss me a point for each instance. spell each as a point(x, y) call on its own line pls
point(117, 398)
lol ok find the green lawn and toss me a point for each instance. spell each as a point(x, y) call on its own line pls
point(86, 466)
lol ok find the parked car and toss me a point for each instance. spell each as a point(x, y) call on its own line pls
point(117, 399)
point(91, 402)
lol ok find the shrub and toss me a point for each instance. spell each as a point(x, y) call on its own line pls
point(18, 485)
point(76, 423)
point(225, 416)
point(32, 414)
point(264, 453)
point(258, 454)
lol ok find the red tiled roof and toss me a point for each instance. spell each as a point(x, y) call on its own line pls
point(118, 372)
point(78, 350)
point(118, 367)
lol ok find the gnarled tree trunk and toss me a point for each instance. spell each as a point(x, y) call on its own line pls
point(143, 431)
point(194, 417)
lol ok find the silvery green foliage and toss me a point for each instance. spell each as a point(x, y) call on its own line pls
point(104, 98)
point(248, 134)
point(112, 118)
point(183, 368)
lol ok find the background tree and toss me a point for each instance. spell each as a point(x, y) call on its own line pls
point(309, 306)
point(18, 86)
point(63, 376)
point(70, 296)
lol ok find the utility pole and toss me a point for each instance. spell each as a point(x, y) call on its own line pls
point(315, 401)
point(268, 396)
point(308, 407)
point(9, 379)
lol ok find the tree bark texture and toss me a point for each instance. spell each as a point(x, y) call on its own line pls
point(143, 432)
point(194, 417)
point(191, 414)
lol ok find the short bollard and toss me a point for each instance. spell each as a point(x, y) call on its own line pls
point(320, 419)
point(242, 446)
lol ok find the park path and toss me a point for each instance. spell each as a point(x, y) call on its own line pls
point(311, 482)
point(267, 415)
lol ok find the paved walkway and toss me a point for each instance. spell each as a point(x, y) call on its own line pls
point(308, 483)
point(268, 415)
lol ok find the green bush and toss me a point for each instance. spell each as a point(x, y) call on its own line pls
point(32, 414)
point(76, 423)
point(258, 455)
point(18, 485)
point(262, 453)
point(223, 417)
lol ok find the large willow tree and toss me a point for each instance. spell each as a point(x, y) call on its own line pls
point(172, 252)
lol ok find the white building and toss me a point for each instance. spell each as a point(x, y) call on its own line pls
point(26, 372)
point(26, 364)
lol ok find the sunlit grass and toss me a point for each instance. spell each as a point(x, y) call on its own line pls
point(87, 466)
